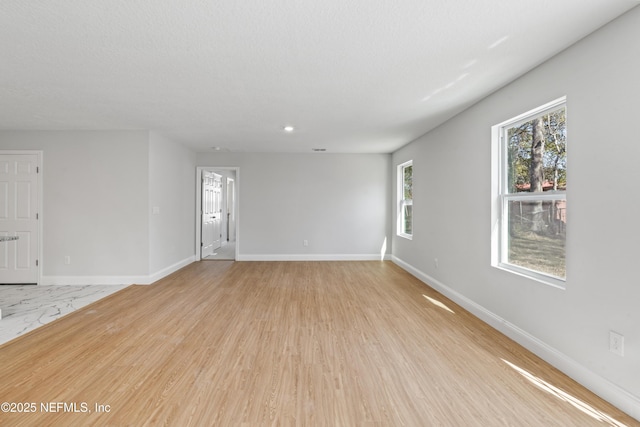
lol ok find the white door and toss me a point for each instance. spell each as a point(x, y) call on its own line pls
point(211, 212)
point(19, 217)
point(231, 210)
point(217, 211)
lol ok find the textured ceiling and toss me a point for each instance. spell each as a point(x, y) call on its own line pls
point(350, 75)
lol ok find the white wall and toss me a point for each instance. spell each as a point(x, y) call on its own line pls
point(99, 191)
point(95, 203)
point(452, 202)
point(338, 202)
point(172, 189)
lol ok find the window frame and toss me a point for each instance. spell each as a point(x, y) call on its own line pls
point(402, 202)
point(501, 196)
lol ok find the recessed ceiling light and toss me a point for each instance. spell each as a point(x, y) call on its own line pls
point(288, 128)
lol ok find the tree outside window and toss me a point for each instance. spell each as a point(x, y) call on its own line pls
point(533, 184)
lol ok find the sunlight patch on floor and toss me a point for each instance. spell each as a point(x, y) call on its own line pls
point(438, 303)
point(562, 395)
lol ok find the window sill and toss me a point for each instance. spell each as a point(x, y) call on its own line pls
point(406, 236)
point(533, 275)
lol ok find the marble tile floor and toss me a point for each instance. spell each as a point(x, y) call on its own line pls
point(226, 252)
point(26, 307)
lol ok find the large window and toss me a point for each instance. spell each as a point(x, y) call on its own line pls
point(530, 184)
point(405, 200)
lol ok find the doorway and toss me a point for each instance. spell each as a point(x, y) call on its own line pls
point(217, 222)
point(211, 231)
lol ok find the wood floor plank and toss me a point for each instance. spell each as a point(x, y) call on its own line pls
point(286, 344)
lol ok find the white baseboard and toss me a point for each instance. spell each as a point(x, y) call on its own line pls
point(604, 388)
point(116, 280)
point(313, 257)
point(171, 269)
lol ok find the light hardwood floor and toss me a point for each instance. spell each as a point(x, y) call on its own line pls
point(286, 344)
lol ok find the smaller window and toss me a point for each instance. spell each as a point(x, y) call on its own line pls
point(405, 200)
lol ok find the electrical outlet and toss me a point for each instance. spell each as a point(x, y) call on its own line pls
point(435, 261)
point(305, 243)
point(616, 343)
point(67, 260)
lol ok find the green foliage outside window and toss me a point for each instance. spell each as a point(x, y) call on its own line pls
point(408, 183)
point(553, 153)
